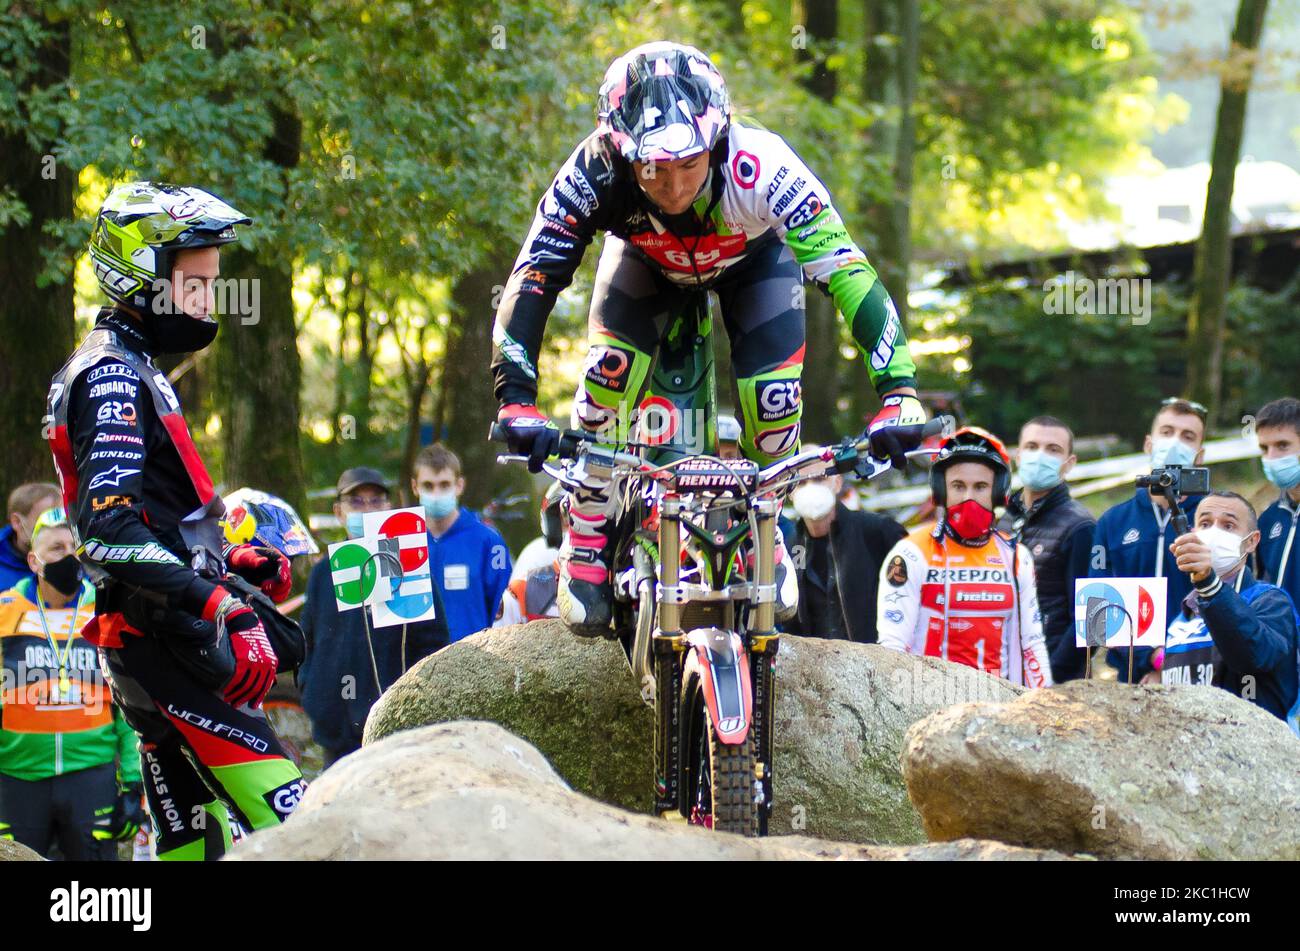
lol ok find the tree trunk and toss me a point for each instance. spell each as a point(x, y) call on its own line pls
point(822, 357)
point(1213, 268)
point(468, 404)
point(36, 323)
point(259, 373)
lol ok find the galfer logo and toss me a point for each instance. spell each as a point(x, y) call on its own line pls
point(76, 904)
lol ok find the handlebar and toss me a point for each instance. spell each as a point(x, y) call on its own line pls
point(848, 457)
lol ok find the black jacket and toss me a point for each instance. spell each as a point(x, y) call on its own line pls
point(1057, 530)
point(338, 678)
point(859, 543)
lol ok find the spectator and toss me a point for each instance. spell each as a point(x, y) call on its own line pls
point(838, 554)
point(1056, 530)
point(729, 438)
point(1233, 632)
point(960, 590)
point(535, 579)
point(470, 560)
point(1131, 538)
point(350, 662)
point(1278, 429)
point(25, 503)
point(69, 764)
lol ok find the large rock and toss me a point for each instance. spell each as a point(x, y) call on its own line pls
point(841, 713)
point(470, 790)
point(11, 851)
point(1120, 772)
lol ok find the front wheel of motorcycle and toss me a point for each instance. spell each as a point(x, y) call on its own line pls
point(720, 780)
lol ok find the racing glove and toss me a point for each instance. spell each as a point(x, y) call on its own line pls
point(121, 820)
point(896, 429)
point(255, 659)
point(529, 433)
point(264, 567)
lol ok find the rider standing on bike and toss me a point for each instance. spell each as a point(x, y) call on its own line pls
point(692, 200)
point(959, 590)
point(190, 663)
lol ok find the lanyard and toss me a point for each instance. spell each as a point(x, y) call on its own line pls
point(1286, 550)
point(65, 682)
point(1160, 542)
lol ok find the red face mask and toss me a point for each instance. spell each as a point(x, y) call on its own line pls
point(969, 519)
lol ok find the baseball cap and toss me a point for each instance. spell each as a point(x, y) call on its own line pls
point(361, 475)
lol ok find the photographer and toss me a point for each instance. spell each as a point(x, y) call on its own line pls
point(1131, 538)
point(1233, 632)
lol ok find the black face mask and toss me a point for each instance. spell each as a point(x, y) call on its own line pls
point(178, 333)
point(64, 575)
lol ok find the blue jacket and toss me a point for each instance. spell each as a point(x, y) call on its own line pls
point(471, 565)
point(1277, 533)
point(1244, 642)
point(338, 679)
point(13, 566)
point(1135, 546)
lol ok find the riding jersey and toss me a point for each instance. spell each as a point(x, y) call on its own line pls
point(971, 604)
point(757, 191)
point(137, 495)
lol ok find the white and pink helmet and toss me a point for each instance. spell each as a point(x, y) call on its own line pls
point(662, 101)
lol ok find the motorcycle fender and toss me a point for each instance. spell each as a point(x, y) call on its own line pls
point(718, 658)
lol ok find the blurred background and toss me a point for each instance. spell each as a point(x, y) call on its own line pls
point(988, 155)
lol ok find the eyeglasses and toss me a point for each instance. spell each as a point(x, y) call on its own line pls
point(361, 503)
point(1194, 406)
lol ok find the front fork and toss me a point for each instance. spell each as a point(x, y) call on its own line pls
point(761, 641)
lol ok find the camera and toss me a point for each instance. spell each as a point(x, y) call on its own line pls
point(1178, 480)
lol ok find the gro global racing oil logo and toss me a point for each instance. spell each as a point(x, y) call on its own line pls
point(284, 799)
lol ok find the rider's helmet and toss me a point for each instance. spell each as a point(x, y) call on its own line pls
point(552, 529)
point(133, 248)
point(971, 444)
point(663, 101)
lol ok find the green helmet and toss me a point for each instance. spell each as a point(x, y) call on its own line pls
point(141, 227)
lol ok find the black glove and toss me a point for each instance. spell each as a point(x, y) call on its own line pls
point(121, 820)
point(896, 429)
point(528, 433)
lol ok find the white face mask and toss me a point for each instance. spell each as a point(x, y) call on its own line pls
point(813, 500)
point(1171, 451)
point(1225, 548)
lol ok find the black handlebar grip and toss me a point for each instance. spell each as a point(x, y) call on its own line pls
point(936, 426)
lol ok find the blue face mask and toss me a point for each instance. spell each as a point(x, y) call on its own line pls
point(1038, 470)
point(1171, 451)
point(1283, 472)
point(438, 506)
point(354, 521)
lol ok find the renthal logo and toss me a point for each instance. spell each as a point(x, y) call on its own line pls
point(223, 730)
point(698, 479)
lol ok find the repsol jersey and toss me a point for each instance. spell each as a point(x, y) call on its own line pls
point(971, 604)
point(757, 191)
